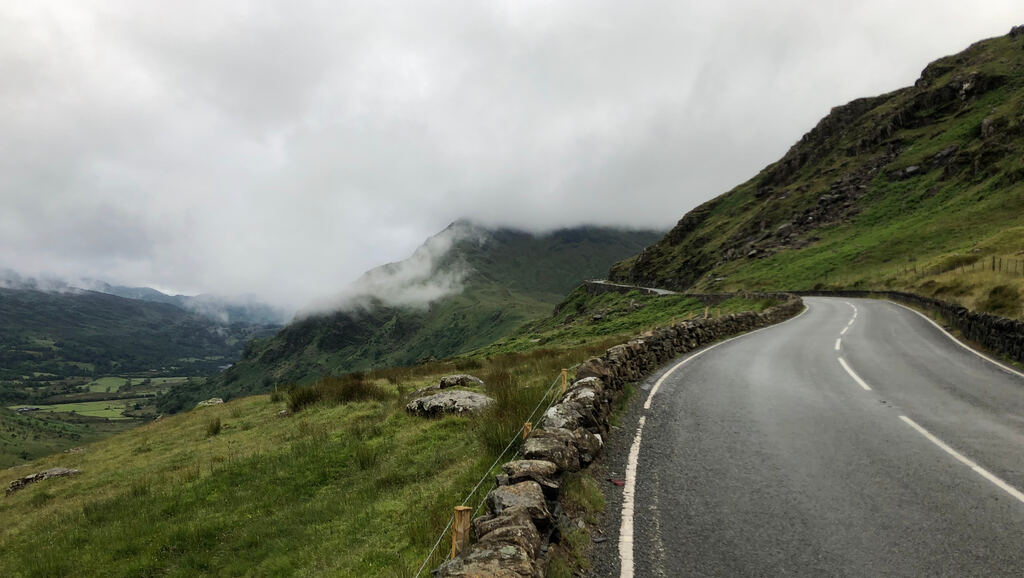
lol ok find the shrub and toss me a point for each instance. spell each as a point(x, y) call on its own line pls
point(213, 427)
point(300, 397)
point(277, 396)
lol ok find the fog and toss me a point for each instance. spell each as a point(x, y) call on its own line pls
point(281, 149)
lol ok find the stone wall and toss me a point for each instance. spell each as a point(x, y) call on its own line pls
point(523, 510)
point(998, 334)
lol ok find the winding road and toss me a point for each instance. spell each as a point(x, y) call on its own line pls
point(857, 439)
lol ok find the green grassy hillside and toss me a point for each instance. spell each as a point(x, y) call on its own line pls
point(892, 191)
point(510, 277)
point(88, 333)
point(349, 486)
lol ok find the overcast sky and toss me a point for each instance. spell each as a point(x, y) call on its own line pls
point(282, 148)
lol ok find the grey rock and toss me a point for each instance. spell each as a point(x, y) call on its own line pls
point(524, 494)
point(554, 445)
point(593, 367)
point(492, 560)
point(460, 380)
point(44, 475)
point(588, 445)
point(563, 415)
point(449, 402)
point(512, 516)
point(209, 402)
point(540, 471)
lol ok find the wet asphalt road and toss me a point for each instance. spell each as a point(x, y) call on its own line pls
point(765, 457)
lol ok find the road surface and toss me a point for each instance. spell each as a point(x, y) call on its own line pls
point(857, 439)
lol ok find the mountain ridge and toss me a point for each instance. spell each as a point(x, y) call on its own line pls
point(929, 175)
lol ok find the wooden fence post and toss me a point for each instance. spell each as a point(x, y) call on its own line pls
point(527, 428)
point(460, 529)
point(565, 380)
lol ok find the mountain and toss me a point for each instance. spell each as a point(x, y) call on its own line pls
point(240, 309)
point(223, 309)
point(910, 190)
point(464, 288)
point(77, 332)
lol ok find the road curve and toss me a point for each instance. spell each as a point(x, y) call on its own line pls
point(857, 439)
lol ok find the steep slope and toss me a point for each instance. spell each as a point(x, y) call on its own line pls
point(465, 288)
point(924, 179)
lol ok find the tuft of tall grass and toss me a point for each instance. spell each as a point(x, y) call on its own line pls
point(336, 391)
point(213, 427)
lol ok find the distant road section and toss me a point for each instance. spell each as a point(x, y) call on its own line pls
point(857, 439)
point(648, 289)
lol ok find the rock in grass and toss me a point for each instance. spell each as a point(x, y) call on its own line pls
point(460, 380)
point(449, 402)
point(44, 475)
point(211, 401)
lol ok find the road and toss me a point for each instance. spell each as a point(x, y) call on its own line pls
point(766, 456)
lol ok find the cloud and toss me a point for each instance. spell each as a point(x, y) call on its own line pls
point(430, 273)
point(281, 149)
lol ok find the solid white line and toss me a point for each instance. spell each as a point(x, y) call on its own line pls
point(628, 495)
point(966, 461)
point(838, 341)
point(629, 486)
point(1005, 368)
point(854, 375)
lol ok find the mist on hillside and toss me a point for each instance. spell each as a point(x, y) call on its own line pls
point(416, 282)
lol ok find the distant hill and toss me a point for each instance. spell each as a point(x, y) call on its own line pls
point(223, 309)
point(79, 332)
point(895, 191)
point(464, 288)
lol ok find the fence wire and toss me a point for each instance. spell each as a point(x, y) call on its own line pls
point(518, 436)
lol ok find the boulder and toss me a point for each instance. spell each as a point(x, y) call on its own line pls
point(525, 494)
point(44, 475)
point(460, 380)
point(554, 445)
point(449, 402)
point(211, 401)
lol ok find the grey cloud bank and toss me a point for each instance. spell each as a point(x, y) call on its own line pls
point(281, 149)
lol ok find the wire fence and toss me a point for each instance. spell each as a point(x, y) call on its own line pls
point(963, 266)
point(552, 399)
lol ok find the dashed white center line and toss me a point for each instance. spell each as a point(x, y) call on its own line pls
point(855, 377)
point(965, 460)
point(838, 341)
point(845, 329)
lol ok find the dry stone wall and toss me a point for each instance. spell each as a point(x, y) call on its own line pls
point(523, 510)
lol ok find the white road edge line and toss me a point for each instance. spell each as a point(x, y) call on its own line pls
point(854, 375)
point(1002, 366)
point(845, 329)
point(629, 485)
point(965, 460)
point(838, 342)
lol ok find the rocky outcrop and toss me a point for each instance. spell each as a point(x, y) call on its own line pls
point(44, 475)
point(523, 508)
point(209, 402)
point(449, 402)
